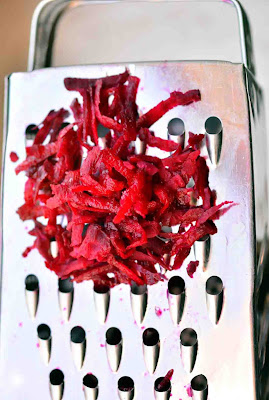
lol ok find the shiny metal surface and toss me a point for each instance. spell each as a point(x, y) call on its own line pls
point(225, 357)
point(49, 13)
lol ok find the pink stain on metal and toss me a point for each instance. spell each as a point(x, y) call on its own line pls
point(189, 390)
point(102, 345)
point(158, 312)
point(20, 324)
point(64, 309)
point(62, 322)
point(38, 345)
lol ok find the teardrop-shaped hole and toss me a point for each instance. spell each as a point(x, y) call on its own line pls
point(139, 301)
point(102, 301)
point(66, 297)
point(214, 128)
point(151, 348)
point(56, 384)
point(78, 345)
point(114, 348)
point(214, 298)
point(32, 294)
point(176, 131)
point(44, 342)
point(126, 388)
point(90, 387)
point(176, 298)
point(199, 386)
point(189, 347)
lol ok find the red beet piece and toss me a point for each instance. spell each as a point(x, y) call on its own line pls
point(106, 211)
point(13, 156)
point(192, 267)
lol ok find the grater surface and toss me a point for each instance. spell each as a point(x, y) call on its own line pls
point(225, 351)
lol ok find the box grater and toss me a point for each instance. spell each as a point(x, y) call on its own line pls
point(60, 340)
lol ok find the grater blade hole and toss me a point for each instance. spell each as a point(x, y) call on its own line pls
point(214, 285)
point(77, 334)
point(125, 384)
point(188, 337)
point(102, 289)
point(176, 285)
point(151, 337)
point(65, 285)
point(199, 383)
point(56, 377)
point(90, 381)
point(213, 125)
point(31, 283)
point(113, 336)
point(43, 332)
point(138, 289)
point(31, 131)
point(162, 385)
point(176, 127)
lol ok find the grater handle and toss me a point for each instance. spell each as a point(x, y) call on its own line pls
point(49, 12)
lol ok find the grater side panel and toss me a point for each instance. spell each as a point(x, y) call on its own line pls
point(225, 351)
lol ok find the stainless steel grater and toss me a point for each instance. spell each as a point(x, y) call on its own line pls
point(60, 340)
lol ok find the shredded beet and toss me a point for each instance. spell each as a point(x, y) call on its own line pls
point(13, 156)
point(164, 384)
point(106, 210)
point(192, 267)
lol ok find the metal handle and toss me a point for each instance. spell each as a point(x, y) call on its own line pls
point(49, 12)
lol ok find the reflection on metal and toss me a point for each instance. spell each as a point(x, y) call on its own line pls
point(126, 389)
point(151, 349)
point(32, 294)
point(44, 342)
point(54, 248)
point(139, 301)
point(56, 384)
point(66, 297)
point(202, 251)
point(114, 348)
point(199, 388)
point(78, 346)
point(164, 392)
point(189, 346)
point(214, 298)
point(176, 298)
point(90, 387)
point(213, 128)
point(101, 300)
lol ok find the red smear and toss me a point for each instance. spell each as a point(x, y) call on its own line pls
point(13, 156)
point(164, 383)
point(158, 311)
point(192, 267)
point(189, 391)
point(115, 202)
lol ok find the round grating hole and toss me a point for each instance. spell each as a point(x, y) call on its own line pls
point(199, 383)
point(214, 285)
point(31, 129)
point(113, 336)
point(56, 377)
point(65, 285)
point(188, 337)
point(101, 289)
point(90, 381)
point(151, 337)
point(176, 285)
point(162, 384)
point(43, 332)
point(77, 335)
point(213, 126)
point(125, 384)
point(176, 127)
point(138, 289)
point(31, 283)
